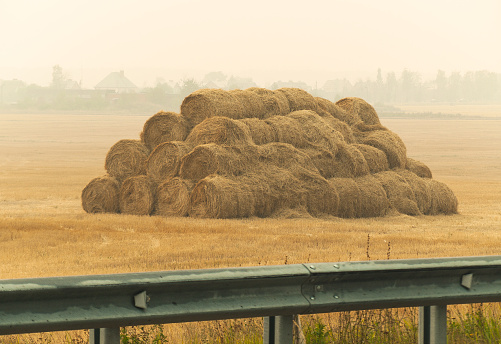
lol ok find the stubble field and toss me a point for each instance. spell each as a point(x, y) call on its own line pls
point(47, 159)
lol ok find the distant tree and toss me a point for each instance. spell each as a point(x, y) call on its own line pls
point(391, 87)
point(441, 84)
point(189, 86)
point(58, 78)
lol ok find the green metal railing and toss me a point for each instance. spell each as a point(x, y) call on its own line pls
point(108, 302)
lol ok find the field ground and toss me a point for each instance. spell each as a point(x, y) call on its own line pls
point(471, 110)
point(46, 160)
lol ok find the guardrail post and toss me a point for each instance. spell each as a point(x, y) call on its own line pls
point(433, 324)
point(278, 330)
point(104, 336)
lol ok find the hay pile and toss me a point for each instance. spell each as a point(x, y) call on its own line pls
point(263, 153)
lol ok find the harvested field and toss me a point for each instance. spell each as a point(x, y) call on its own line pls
point(43, 173)
point(47, 159)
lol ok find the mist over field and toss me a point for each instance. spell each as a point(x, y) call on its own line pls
point(265, 41)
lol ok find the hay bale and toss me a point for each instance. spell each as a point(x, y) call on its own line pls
point(126, 158)
point(349, 162)
point(285, 156)
point(252, 103)
point(316, 131)
point(336, 111)
point(164, 161)
point(422, 192)
point(173, 197)
point(164, 127)
point(376, 158)
point(390, 143)
point(221, 198)
point(418, 168)
point(359, 108)
point(443, 200)
point(298, 99)
point(275, 103)
point(206, 103)
point(349, 196)
point(343, 128)
point(373, 201)
point(261, 132)
point(211, 158)
point(319, 197)
point(323, 160)
point(288, 130)
point(400, 194)
point(137, 196)
point(220, 130)
point(101, 195)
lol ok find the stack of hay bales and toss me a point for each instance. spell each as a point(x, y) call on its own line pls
point(264, 153)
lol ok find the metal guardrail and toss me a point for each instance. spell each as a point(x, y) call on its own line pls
point(117, 300)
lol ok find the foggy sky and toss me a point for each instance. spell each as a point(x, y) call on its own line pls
point(266, 40)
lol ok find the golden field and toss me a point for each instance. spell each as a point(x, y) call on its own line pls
point(47, 159)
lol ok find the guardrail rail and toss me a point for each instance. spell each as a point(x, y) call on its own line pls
point(104, 303)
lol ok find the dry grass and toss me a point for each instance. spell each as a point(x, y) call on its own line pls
point(47, 160)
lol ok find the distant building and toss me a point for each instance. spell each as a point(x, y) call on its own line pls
point(117, 82)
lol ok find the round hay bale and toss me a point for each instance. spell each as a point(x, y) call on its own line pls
point(261, 182)
point(349, 162)
point(400, 194)
point(323, 160)
point(173, 197)
point(316, 131)
point(261, 132)
point(421, 190)
point(288, 130)
point(298, 99)
point(285, 156)
point(211, 158)
point(275, 103)
point(137, 196)
point(164, 127)
point(376, 158)
point(349, 196)
point(443, 200)
point(126, 158)
point(390, 143)
point(336, 111)
point(275, 188)
point(252, 103)
point(210, 102)
point(319, 197)
point(101, 195)
point(343, 128)
point(220, 130)
point(357, 107)
point(418, 168)
point(221, 198)
point(165, 159)
point(373, 201)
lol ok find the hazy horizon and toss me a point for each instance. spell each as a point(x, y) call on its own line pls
point(263, 40)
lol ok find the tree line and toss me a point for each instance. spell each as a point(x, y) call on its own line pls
point(406, 87)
